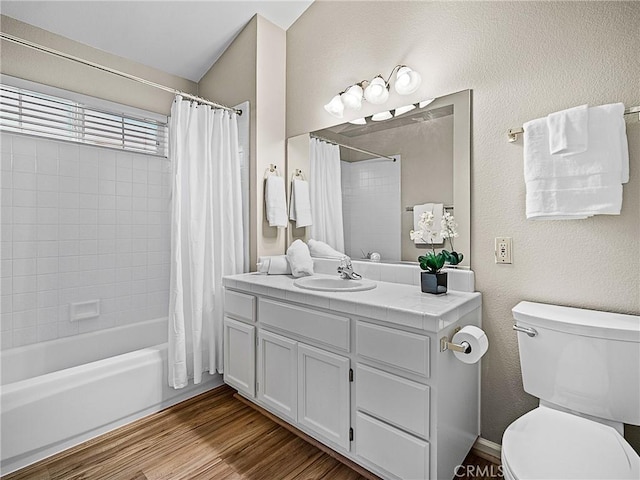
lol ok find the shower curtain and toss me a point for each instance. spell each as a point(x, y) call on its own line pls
point(206, 234)
point(325, 189)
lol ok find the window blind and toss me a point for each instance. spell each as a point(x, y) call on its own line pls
point(33, 113)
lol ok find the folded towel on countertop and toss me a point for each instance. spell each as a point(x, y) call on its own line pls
point(274, 265)
point(275, 201)
point(300, 259)
point(321, 249)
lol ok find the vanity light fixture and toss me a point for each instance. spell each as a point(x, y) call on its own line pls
point(375, 91)
point(359, 121)
point(402, 110)
point(378, 117)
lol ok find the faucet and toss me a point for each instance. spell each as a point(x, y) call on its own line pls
point(346, 269)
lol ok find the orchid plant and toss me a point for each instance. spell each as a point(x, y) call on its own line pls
point(433, 262)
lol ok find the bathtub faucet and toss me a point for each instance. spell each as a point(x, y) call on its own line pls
point(346, 269)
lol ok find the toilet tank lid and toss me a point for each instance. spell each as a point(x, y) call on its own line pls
point(591, 323)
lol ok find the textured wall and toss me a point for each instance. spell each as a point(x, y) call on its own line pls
point(522, 60)
point(22, 62)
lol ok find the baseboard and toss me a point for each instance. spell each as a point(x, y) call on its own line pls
point(488, 450)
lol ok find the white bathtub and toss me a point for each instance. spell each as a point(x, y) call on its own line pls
point(60, 393)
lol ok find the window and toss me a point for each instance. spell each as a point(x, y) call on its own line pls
point(32, 113)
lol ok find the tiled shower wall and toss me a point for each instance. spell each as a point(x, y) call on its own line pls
point(371, 207)
point(80, 223)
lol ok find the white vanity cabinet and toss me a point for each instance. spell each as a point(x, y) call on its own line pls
point(367, 381)
point(240, 342)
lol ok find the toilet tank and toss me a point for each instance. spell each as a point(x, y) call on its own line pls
point(583, 360)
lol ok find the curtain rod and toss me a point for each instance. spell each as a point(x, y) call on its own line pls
point(352, 148)
point(512, 133)
point(57, 53)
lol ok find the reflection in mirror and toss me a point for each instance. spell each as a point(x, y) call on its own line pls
point(366, 178)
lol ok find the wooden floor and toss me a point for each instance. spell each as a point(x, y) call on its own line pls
point(212, 436)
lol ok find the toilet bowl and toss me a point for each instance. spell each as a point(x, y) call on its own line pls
point(550, 444)
point(584, 366)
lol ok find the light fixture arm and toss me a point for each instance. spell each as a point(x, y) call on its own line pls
point(395, 69)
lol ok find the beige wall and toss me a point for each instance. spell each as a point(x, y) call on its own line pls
point(522, 60)
point(253, 68)
point(28, 64)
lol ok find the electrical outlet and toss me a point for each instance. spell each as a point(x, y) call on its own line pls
point(504, 246)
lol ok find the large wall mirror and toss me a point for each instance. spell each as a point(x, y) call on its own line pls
point(389, 163)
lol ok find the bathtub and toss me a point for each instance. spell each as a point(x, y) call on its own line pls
point(60, 393)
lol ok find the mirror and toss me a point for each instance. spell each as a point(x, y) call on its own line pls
point(388, 166)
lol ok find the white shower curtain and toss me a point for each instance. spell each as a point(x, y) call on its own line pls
point(206, 235)
point(325, 189)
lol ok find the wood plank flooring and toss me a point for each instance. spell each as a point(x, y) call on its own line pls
point(211, 436)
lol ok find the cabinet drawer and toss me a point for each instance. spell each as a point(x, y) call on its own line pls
point(322, 327)
point(403, 350)
point(396, 452)
point(394, 399)
point(240, 306)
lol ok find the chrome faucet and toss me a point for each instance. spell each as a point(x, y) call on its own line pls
point(346, 269)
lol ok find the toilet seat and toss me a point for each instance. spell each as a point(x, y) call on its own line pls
point(549, 444)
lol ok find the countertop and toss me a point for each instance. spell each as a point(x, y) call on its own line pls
point(393, 303)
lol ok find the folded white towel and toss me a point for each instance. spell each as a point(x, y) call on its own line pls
point(320, 249)
point(300, 204)
point(274, 265)
point(436, 209)
point(568, 131)
point(275, 201)
point(300, 259)
point(580, 185)
point(607, 152)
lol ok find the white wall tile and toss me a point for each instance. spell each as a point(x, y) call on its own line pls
point(24, 336)
point(80, 223)
point(48, 249)
point(47, 165)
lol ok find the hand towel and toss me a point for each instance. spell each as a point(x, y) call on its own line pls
point(568, 131)
point(323, 250)
point(300, 259)
point(275, 201)
point(300, 204)
point(580, 185)
point(274, 265)
point(607, 152)
point(436, 209)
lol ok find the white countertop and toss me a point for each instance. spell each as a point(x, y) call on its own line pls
point(393, 303)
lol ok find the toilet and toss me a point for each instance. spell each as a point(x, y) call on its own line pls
point(584, 366)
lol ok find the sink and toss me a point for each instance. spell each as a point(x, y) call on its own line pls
point(333, 284)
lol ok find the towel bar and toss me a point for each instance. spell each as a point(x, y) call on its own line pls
point(512, 133)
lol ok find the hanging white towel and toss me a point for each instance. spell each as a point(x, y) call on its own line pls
point(275, 201)
point(577, 186)
point(568, 131)
point(437, 210)
point(300, 259)
point(323, 250)
point(300, 204)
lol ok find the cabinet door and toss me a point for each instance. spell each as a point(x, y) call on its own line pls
point(323, 394)
point(278, 373)
point(240, 356)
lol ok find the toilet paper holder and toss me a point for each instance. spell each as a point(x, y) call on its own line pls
point(462, 347)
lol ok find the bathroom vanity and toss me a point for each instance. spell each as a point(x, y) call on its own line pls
point(361, 372)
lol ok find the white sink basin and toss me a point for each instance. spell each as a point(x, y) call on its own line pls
point(331, 284)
